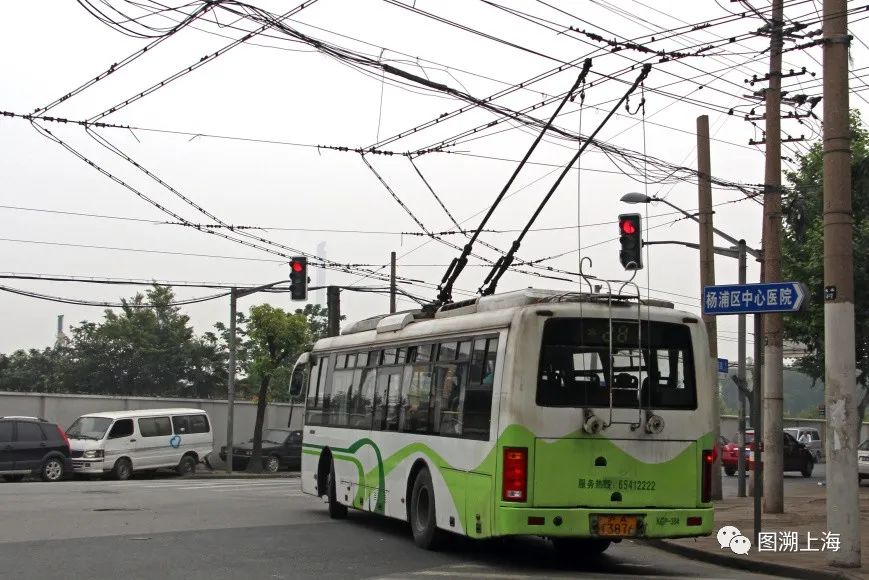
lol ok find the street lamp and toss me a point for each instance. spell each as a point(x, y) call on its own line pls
point(637, 197)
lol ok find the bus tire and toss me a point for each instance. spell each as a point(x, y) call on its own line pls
point(423, 515)
point(577, 548)
point(337, 510)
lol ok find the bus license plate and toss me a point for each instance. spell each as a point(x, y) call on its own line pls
point(616, 526)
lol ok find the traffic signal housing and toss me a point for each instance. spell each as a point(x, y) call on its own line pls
point(631, 240)
point(299, 278)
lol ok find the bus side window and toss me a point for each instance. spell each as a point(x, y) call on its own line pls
point(415, 401)
point(387, 401)
point(449, 393)
point(361, 403)
point(477, 406)
point(342, 392)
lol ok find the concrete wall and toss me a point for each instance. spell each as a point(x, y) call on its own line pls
point(64, 409)
point(730, 425)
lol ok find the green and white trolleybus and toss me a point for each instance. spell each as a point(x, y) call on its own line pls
point(585, 418)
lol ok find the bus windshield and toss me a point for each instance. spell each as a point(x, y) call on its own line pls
point(577, 366)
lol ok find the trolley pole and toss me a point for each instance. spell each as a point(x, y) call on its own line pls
point(843, 507)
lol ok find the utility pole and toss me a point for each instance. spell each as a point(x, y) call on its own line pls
point(230, 396)
point(757, 422)
point(333, 305)
point(707, 277)
point(843, 507)
point(740, 374)
point(392, 282)
point(773, 480)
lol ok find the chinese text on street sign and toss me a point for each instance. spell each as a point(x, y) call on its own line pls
point(753, 298)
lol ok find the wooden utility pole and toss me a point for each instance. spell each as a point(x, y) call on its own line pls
point(843, 506)
point(707, 278)
point(773, 459)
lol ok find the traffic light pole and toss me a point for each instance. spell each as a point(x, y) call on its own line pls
point(234, 295)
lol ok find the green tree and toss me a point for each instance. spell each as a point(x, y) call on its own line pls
point(146, 349)
point(803, 254)
point(276, 338)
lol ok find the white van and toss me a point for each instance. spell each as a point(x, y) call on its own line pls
point(121, 442)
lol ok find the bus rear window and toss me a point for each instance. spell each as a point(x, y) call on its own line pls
point(577, 366)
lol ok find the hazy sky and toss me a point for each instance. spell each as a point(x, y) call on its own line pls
point(279, 95)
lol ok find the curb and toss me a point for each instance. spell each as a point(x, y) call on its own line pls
point(244, 475)
point(751, 565)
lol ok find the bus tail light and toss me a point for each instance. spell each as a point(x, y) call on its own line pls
point(515, 484)
point(708, 460)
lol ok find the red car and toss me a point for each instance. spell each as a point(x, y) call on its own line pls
point(730, 453)
point(795, 455)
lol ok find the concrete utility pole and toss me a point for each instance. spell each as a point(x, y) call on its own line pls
point(740, 374)
point(392, 287)
point(333, 304)
point(757, 422)
point(707, 275)
point(843, 507)
point(773, 480)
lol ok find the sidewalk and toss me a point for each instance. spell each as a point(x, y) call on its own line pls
point(217, 470)
point(805, 512)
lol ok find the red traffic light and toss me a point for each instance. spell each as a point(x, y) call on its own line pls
point(296, 266)
point(628, 227)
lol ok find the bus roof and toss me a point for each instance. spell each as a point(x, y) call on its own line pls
point(480, 313)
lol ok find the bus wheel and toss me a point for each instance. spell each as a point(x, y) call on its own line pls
point(570, 548)
point(423, 521)
point(337, 511)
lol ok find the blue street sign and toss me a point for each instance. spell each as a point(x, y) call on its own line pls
point(753, 298)
point(723, 365)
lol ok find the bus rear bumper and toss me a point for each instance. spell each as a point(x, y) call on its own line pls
point(586, 522)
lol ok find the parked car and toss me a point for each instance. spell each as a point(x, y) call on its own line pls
point(811, 438)
point(33, 446)
point(863, 461)
point(119, 443)
point(282, 448)
point(796, 456)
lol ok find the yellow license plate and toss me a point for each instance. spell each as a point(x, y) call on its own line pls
point(616, 526)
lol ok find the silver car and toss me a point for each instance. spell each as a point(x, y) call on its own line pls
point(811, 438)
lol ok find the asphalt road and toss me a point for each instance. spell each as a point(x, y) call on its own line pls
point(792, 480)
point(263, 528)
